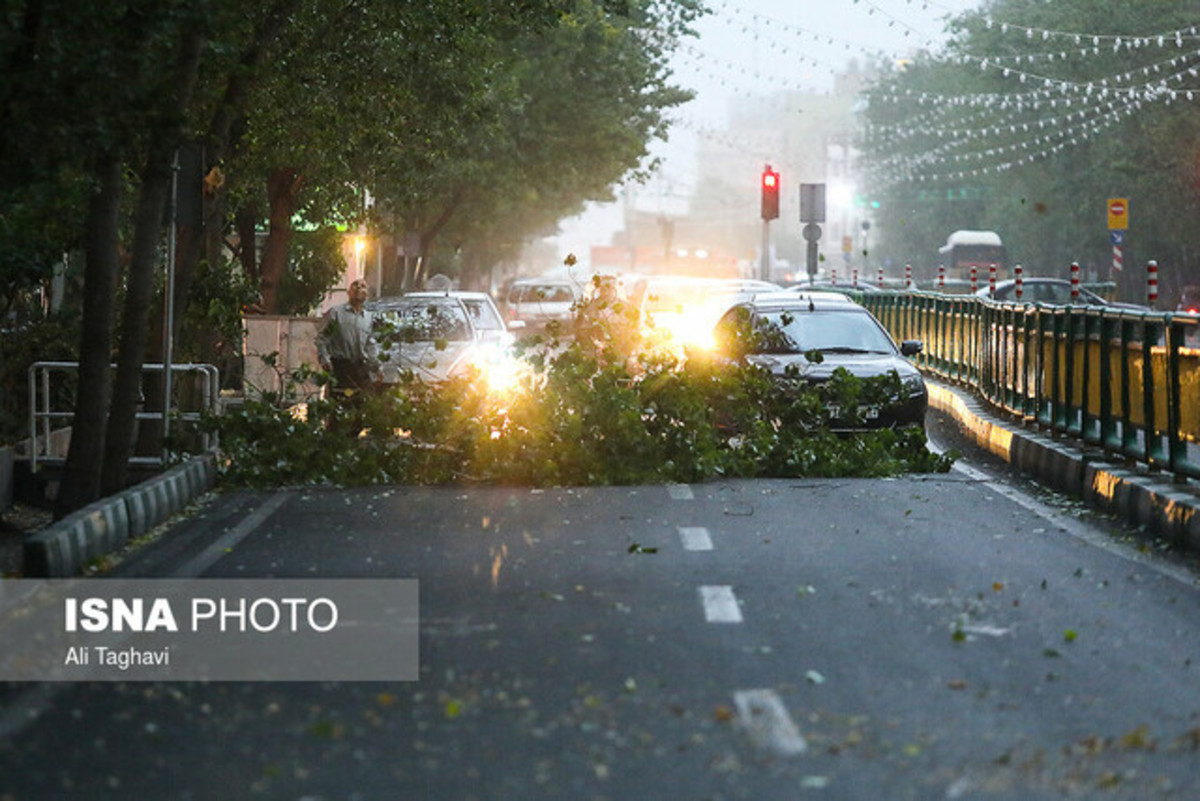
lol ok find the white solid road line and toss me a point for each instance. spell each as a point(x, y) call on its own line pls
point(720, 605)
point(1074, 528)
point(221, 547)
point(762, 714)
point(695, 538)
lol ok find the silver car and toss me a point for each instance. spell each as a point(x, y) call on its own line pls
point(534, 303)
point(438, 335)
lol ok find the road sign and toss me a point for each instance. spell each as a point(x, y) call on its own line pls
point(812, 232)
point(812, 203)
point(1118, 237)
point(1118, 213)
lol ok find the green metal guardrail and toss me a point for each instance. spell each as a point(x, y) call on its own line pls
point(1125, 381)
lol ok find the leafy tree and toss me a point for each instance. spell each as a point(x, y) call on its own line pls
point(567, 114)
point(1033, 117)
point(291, 105)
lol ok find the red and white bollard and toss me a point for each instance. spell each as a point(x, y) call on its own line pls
point(941, 276)
point(1074, 281)
point(908, 276)
point(854, 278)
point(991, 280)
point(1018, 280)
point(833, 277)
point(881, 278)
point(1152, 283)
point(974, 278)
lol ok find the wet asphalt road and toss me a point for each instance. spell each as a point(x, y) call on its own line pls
point(951, 636)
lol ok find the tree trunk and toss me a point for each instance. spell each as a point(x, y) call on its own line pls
point(155, 187)
point(127, 387)
point(246, 223)
point(283, 188)
point(82, 474)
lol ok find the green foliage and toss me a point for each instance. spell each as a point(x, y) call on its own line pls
point(1029, 133)
point(50, 339)
point(314, 263)
point(580, 415)
point(220, 295)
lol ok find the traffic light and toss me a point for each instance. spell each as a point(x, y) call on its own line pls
point(770, 193)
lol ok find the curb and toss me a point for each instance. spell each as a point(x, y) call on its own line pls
point(63, 548)
point(1165, 508)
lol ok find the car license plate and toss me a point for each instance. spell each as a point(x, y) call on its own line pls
point(865, 412)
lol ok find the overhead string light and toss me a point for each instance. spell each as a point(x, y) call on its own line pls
point(1048, 88)
point(758, 149)
point(996, 113)
point(922, 168)
point(1172, 38)
point(733, 76)
point(1047, 133)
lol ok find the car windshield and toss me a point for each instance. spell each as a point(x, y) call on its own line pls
point(800, 331)
point(428, 319)
point(547, 293)
point(483, 314)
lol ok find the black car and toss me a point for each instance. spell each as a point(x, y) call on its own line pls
point(810, 335)
point(1056, 291)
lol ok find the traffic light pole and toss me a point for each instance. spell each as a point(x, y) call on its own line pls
point(764, 267)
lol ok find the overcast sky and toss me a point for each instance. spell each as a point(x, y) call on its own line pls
point(757, 47)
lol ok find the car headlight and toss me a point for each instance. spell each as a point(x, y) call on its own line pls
point(913, 385)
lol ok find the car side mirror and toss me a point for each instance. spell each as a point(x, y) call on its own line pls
point(911, 347)
point(516, 325)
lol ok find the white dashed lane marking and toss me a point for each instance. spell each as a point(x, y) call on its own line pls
point(680, 492)
point(763, 716)
point(695, 538)
point(720, 605)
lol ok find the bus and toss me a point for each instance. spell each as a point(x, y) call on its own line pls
point(979, 249)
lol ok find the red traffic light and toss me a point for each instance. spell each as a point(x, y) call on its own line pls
point(770, 194)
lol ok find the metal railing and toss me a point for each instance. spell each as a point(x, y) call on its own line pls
point(44, 412)
point(1125, 381)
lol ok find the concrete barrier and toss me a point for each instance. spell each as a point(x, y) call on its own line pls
point(65, 547)
point(1162, 507)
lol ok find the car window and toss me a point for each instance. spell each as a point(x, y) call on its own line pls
point(799, 331)
point(483, 314)
point(550, 294)
point(425, 320)
point(1056, 293)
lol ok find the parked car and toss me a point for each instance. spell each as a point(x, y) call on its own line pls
point(1056, 291)
point(786, 331)
point(439, 335)
point(534, 303)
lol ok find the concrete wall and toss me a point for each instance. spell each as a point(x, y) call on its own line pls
point(292, 339)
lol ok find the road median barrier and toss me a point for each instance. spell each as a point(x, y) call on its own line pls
point(1162, 507)
point(65, 547)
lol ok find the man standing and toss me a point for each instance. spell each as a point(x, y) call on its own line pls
point(345, 346)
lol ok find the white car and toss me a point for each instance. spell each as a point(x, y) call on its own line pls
point(438, 335)
point(534, 303)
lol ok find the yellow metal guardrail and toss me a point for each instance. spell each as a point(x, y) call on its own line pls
point(1122, 380)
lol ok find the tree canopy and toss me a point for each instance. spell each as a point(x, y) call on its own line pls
point(1035, 115)
point(474, 123)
